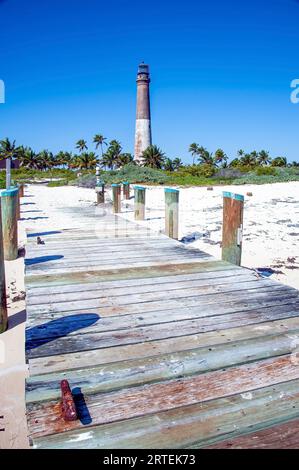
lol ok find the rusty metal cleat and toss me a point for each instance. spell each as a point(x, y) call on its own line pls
point(68, 407)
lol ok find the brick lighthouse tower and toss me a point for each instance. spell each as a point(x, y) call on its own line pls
point(143, 133)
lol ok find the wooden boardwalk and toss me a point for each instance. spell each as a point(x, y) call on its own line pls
point(163, 346)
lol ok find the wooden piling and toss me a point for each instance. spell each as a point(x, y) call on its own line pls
point(116, 198)
point(3, 306)
point(233, 205)
point(172, 213)
point(18, 204)
point(100, 192)
point(126, 190)
point(9, 203)
point(139, 208)
point(21, 190)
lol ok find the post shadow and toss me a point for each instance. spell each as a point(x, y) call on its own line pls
point(81, 407)
point(45, 333)
point(41, 234)
point(42, 259)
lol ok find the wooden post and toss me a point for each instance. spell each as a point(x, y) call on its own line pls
point(116, 194)
point(139, 208)
point(100, 191)
point(18, 204)
point(3, 306)
point(126, 190)
point(8, 172)
point(233, 205)
point(9, 205)
point(21, 190)
point(172, 213)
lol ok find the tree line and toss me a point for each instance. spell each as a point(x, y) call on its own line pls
point(110, 156)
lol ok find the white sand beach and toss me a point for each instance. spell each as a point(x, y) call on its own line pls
point(271, 240)
point(271, 220)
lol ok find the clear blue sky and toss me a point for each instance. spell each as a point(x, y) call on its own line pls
point(221, 72)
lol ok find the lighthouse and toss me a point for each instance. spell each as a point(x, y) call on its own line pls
point(143, 133)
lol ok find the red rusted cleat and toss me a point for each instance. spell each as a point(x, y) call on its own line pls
point(68, 406)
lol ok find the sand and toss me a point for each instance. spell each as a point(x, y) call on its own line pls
point(270, 242)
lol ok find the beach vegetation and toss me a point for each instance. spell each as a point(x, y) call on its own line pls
point(116, 165)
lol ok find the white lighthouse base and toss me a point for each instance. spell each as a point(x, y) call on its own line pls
point(143, 138)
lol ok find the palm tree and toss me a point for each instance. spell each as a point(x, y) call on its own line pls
point(279, 161)
point(81, 145)
point(220, 157)
point(45, 160)
point(8, 151)
point(240, 153)
point(28, 159)
point(204, 156)
point(153, 157)
point(248, 159)
point(177, 163)
point(64, 159)
point(168, 165)
point(193, 149)
point(100, 140)
point(234, 163)
point(263, 158)
point(111, 158)
point(124, 159)
point(86, 161)
point(108, 160)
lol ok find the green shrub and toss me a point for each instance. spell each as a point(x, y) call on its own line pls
point(54, 184)
point(266, 170)
point(203, 170)
point(131, 173)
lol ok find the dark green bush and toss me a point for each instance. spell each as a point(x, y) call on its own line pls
point(203, 170)
point(266, 170)
point(131, 173)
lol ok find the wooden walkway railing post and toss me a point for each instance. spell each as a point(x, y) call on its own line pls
point(3, 306)
point(233, 205)
point(172, 213)
point(21, 189)
point(126, 190)
point(116, 198)
point(139, 206)
point(19, 204)
point(9, 205)
point(100, 192)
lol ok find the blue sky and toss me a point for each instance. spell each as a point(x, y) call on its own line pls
point(221, 73)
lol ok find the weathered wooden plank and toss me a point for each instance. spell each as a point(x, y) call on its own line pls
point(45, 261)
point(55, 237)
point(142, 283)
point(280, 436)
point(164, 367)
point(71, 325)
point(36, 250)
point(145, 292)
point(38, 269)
point(109, 292)
point(121, 353)
point(95, 340)
point(135, 303)
point(98, 233)
point(198, 424)
point(124, 273)
point(45, 418)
